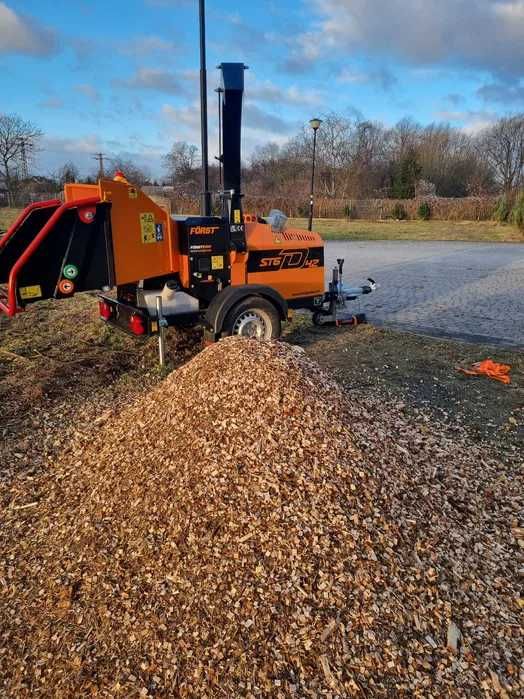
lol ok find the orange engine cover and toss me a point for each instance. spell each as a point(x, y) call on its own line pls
point(290, 261)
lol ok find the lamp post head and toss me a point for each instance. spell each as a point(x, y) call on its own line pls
point(315, 123)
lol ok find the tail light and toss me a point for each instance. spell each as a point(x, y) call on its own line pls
point(136, 325)
point(105, 310)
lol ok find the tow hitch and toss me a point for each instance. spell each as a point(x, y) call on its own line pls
point(336, 310)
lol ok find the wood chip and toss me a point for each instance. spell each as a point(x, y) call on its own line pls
point(245, 530)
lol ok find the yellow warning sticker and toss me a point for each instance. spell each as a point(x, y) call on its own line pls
point(30, 292)
point(133, 194)
point(217, 262)
point(147, 228)
point(236, 216)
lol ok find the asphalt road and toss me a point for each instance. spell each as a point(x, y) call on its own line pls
point(470, 291)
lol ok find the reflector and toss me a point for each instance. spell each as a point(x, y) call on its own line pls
point(136, 325)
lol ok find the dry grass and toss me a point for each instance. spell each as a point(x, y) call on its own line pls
point(342, 229)
point(7, 216)
point(470, 231)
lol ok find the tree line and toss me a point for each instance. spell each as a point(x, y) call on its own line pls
point(356, 159)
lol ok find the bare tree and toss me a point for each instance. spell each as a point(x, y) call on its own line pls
point(334, 152)
point(135, 174)
point(181, 164)
point(66, 174)
point(503, 146)
point(18, 142)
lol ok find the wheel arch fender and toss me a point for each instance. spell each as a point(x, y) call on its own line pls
point(224, 301)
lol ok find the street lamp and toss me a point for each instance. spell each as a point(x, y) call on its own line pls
point(315, 125)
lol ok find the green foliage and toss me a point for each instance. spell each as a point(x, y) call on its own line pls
point(399, 212)
point(405, 175)
point(424, 211)
point(517, 213)
point(503, 209)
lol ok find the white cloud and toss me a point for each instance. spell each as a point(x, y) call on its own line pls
point(88, 91)
point(22, 34)
point(52, 102)
point(381, 76)
point(147, 45)
point(503, 93)
point(153, 79)
point(471, 122)
point(254, 117)
point(483, 34)
point(267, 91)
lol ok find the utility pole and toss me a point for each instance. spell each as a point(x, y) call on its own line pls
point(205, 203)
point(100, 157)
point(23, 158)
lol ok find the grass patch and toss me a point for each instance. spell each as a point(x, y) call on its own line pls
point(7, 216)
point(340, 229)
point(467, 231)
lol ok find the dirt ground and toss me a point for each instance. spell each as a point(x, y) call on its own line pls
point(421, 373)
point(58, 359)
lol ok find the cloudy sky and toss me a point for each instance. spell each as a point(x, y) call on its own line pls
point(122, 76)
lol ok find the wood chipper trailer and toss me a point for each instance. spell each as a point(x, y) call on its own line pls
point(235, 273)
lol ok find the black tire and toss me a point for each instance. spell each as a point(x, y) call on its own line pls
point(254, 316)
point(318, 317)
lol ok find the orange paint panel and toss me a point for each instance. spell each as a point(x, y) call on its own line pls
point(184, 271)
point(142, 233)
point(238, 268)
point(292, 283)
point(80, 191)
point(260, 236)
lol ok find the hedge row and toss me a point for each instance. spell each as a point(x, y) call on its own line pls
point(467, 209)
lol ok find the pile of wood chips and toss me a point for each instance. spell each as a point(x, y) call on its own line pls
point(244, 530)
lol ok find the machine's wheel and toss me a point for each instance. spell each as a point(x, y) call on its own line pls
point(253, 317)
point(319, 318)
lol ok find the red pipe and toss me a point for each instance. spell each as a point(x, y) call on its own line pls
point(24, 214)
point(11, 308)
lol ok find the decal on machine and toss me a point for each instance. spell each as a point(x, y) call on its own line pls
point(30, 292)
point(275, 260)
point(66, 286)
point(70, 272)
point(217, 261)
point(203, 230)
point(200, 248)
point(147, 228)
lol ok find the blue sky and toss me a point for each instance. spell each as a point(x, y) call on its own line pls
point(122, 77)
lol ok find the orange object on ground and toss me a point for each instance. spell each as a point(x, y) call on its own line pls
point(491, 369)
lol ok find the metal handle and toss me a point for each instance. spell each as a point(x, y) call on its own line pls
point(162, 324)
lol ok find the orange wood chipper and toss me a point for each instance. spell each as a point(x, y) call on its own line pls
point(234, 273)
